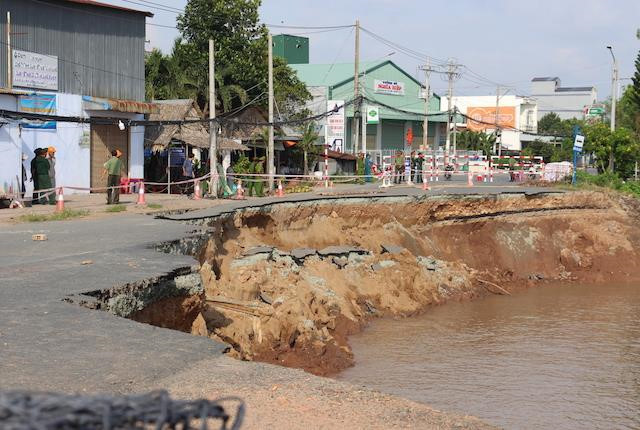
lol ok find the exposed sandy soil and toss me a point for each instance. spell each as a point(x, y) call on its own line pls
point(299, 313)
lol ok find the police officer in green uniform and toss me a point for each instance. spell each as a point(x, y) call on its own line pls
point(41, 167)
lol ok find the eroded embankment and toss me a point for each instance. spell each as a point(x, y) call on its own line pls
point(288, 283)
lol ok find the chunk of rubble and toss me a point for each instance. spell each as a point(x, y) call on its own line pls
point(341, 250)
point(249, 261)
point(262, 249)
point(428, 263)
point(300, 254)
point(384, 264)
point(341, 262)
point(391, 249)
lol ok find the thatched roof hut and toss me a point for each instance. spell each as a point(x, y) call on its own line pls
point(193, 134)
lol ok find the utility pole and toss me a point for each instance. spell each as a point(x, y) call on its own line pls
point(496, 143)
point(425, 124)
point(270, 151)
point(452, 73)
point(356, 91)
point(213, 126)
point(9, 62)
point(614, 96)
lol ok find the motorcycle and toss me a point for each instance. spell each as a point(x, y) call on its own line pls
point(448, 172)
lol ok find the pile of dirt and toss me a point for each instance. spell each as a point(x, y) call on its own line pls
point(287, 284)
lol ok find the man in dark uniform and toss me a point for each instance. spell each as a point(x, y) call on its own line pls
point(42, 167)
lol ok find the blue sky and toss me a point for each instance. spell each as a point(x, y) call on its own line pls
point(504, 41)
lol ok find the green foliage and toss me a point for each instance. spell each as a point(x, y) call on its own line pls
point(541, 149)
point(154, 206)
point(635, 92)
point(116, 208)
point(240, 54)
point(56, 216)
point(243, 165)
point(476, 141)
point(550, 125)
point(626, 148)
point(308, 145)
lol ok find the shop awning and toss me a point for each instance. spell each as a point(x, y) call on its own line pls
point(118, 105)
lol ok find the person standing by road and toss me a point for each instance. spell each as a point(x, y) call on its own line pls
point(44, 181)
point(113, 168)
point(399, 164)
point(187, 172)
point(51, 156)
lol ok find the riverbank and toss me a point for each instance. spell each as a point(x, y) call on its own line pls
point(287, 284)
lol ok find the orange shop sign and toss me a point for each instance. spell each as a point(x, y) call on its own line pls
point(482, 118)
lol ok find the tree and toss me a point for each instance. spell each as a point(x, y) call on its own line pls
point(476, 141)
point(635, 93)
point(626, 148)
point(550, 125)
point(241, 51)
point(308, 144)
point(165, 78)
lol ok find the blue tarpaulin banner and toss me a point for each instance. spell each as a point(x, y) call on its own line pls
point(38, 103)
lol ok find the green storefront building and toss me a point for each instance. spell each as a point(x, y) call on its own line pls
point(382, 83)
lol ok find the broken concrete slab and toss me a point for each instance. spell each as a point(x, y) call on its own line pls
point(341, 262)
point(384, 264)
point(249, 261)
point(428, 263)
point(302, 253)
point(341, 250)
point(391, 249)
point(262, 249)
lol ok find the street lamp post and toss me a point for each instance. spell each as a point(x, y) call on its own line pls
point(614, 96)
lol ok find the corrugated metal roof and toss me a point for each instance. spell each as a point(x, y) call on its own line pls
point(545, 79)
point(319, 75)
point(109, 6)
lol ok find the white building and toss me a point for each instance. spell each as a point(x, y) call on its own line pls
point(72, 58)
point(567, 102)
point(517, 116)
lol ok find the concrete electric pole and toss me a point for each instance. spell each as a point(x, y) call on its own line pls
point(614, 97)
point(497, 143)
point(452, 74)
point(213, 126)
point(270, 150)
point(356, 91)
point(425, 123)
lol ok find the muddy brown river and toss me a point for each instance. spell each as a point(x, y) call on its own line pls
point(551, 357)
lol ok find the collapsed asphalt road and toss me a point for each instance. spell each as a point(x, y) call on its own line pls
point(48, 344)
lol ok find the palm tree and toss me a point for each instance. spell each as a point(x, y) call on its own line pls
point(308, 143)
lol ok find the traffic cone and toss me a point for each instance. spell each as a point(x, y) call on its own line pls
point(197, 195)
point(280, 192)
point(239, 191)
point(469, 179)
point(425, 184)
point(141, 200)
point(59, 200)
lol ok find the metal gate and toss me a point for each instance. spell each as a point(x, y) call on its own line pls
point(104, 139)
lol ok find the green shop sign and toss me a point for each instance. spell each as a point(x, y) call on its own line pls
point(373, 114)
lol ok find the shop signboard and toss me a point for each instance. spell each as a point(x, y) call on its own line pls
point(31, 70)
point(44, 104)
point(334, 130)
point(392, 88)
point(483, 118)
point(373, 114)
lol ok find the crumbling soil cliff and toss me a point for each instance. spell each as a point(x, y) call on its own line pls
point(288, 283)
